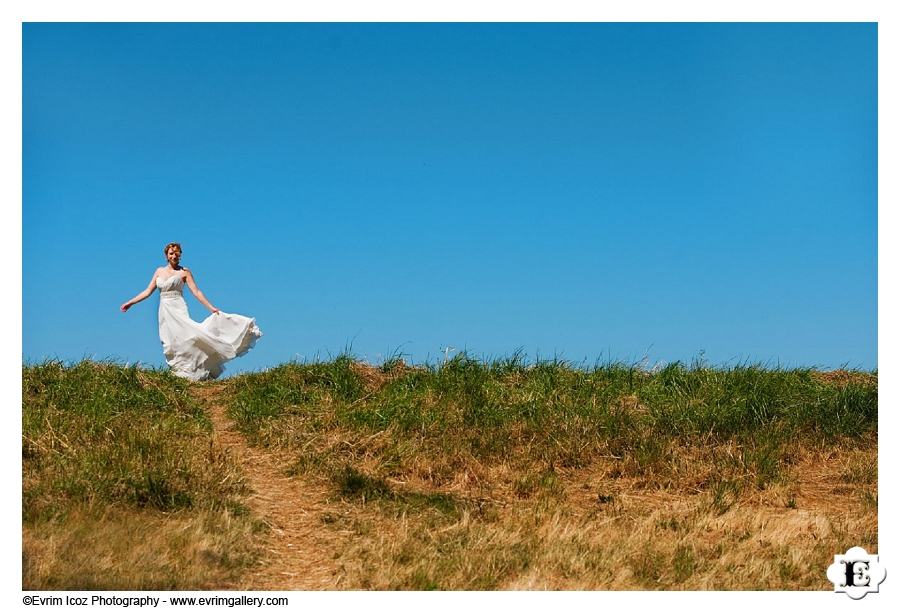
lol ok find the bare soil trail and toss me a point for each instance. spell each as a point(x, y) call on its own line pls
point(300, 549)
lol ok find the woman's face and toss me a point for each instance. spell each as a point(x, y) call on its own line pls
point(173, 255)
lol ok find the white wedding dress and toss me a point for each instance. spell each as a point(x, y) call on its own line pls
point(199, 350)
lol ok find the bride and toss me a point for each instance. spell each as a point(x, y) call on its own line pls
point(193, 350)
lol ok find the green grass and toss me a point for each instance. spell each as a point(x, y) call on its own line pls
point(103, 433)
point(353, 484)
point(545, 414)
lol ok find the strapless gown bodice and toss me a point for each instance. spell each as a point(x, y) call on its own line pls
point(173, 284)
point(199, 350)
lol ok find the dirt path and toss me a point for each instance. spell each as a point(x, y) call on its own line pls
point(300, 549)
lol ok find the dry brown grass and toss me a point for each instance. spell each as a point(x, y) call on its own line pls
point(590, 531)
point(374, 378)
point(843, 377)
point(127, 549)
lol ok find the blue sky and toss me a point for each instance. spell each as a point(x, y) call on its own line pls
point(587, 190)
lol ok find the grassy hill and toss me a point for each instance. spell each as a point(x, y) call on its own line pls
point(464, 475)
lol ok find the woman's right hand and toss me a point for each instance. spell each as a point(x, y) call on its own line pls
point(125, 307)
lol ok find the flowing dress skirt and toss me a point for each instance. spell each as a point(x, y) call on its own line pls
point(199, 350)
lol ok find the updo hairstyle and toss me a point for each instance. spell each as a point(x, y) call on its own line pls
point(169, 246)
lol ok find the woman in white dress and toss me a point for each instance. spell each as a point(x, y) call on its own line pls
point(194, 350)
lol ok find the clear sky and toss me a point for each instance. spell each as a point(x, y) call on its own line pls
point(594, 191)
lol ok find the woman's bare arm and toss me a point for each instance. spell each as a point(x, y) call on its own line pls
point(143, 295)
point(196, 291)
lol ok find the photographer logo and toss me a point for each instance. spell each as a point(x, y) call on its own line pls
point(856, 573)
